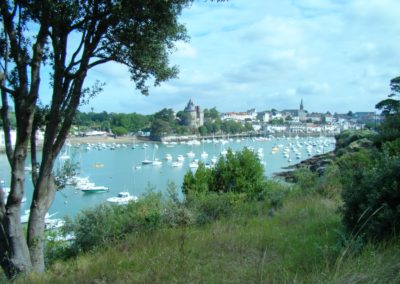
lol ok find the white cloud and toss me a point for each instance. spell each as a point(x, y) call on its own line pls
point(340, 55)
point(185, 50)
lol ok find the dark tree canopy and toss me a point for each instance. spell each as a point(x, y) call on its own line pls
point(139, 34)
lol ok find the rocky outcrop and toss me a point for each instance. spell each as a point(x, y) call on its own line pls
point(346, 142)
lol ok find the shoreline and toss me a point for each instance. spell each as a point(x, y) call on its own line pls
point(95, 139)
point(106, 139)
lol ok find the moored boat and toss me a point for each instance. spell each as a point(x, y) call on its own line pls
point(122, 198)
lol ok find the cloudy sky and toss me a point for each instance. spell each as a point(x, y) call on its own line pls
point(336, 55)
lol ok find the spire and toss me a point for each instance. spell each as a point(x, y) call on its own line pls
point(301, 105)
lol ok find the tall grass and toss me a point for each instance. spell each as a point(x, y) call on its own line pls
point(297, 244)
point(237, 242)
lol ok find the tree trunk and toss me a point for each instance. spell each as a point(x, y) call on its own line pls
point(15, 252)
point(43, 198)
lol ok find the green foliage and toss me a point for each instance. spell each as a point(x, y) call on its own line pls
point(371, 194)
point(241, 172)
point(132, 122)
point(306, 180)
point(390, 128)
point(211, 114)
point(201, 181)
point(208, 207)
point(296, 245)
point(330, 183)
point(119, 131)
point(105, 224)
point(345, 138)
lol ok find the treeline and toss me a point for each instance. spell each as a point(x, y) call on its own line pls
point(370, 176)
point(162, 123)
point(364, 175)
point(117, 123)
point(166, 123)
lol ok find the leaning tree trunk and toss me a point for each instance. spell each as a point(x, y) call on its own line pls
point(43, 197)
point(18, 259)
point(15, 252)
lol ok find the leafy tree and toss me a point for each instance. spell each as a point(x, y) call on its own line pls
point(240, 173)
point(184, 117)
point(211, 114)
point(390, 128)
point(119, 130)
point(203, 130)
point(137, 34)
point(248, 126)
point(277, 121)
point(370, 178)
point(163, 124)
point(160, 128)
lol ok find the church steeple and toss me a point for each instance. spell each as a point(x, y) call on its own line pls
point(301, 105)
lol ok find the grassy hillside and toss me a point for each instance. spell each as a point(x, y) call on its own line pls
point(300, 243)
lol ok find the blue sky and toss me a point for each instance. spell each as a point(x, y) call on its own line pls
point(336, 55)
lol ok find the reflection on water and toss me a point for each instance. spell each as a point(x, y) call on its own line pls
point(120, 167)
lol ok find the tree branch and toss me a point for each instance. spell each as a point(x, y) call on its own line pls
point(98, 62)
point(4, 109)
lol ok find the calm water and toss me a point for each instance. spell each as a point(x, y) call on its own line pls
point(119, 172)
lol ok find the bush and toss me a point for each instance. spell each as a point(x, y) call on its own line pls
point(329, 184)
point(306, 179)
point(120, 130)
point(104, 224)
point(211, 206)
point(240, 173)
point(371, 195)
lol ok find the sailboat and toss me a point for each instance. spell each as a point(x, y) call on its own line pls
point(204, 154)
point(146, 161)
point(156, 161)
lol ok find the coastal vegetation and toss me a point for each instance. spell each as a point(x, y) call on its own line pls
point(137, 34)
point(335, 223)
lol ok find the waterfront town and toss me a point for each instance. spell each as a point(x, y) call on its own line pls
point(296, 121)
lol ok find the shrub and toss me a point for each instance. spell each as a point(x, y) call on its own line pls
point(306, 179)
point(104, 223)
point(371, 195)
point(208, 207)
point(240, 173)
point(329, 184)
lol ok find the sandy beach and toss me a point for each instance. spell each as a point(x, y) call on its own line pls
point(96, 139)
point(106, 139)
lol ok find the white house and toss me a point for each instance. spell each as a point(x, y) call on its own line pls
point(240, 116)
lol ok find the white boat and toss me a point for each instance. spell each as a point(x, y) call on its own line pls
point(194, 165)
point(157, 162)
point(64, 156)
point(214, 160)
point(177, 164)
point(52, 224)
point(168, 157)
point(49, 223)
point(122, 198)
point(6, 192)
point(147, 162)
point(94, 188)
point(204, 155)
point(191, 154)
point(180, 158)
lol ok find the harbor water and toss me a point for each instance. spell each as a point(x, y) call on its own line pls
point(119, 166)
